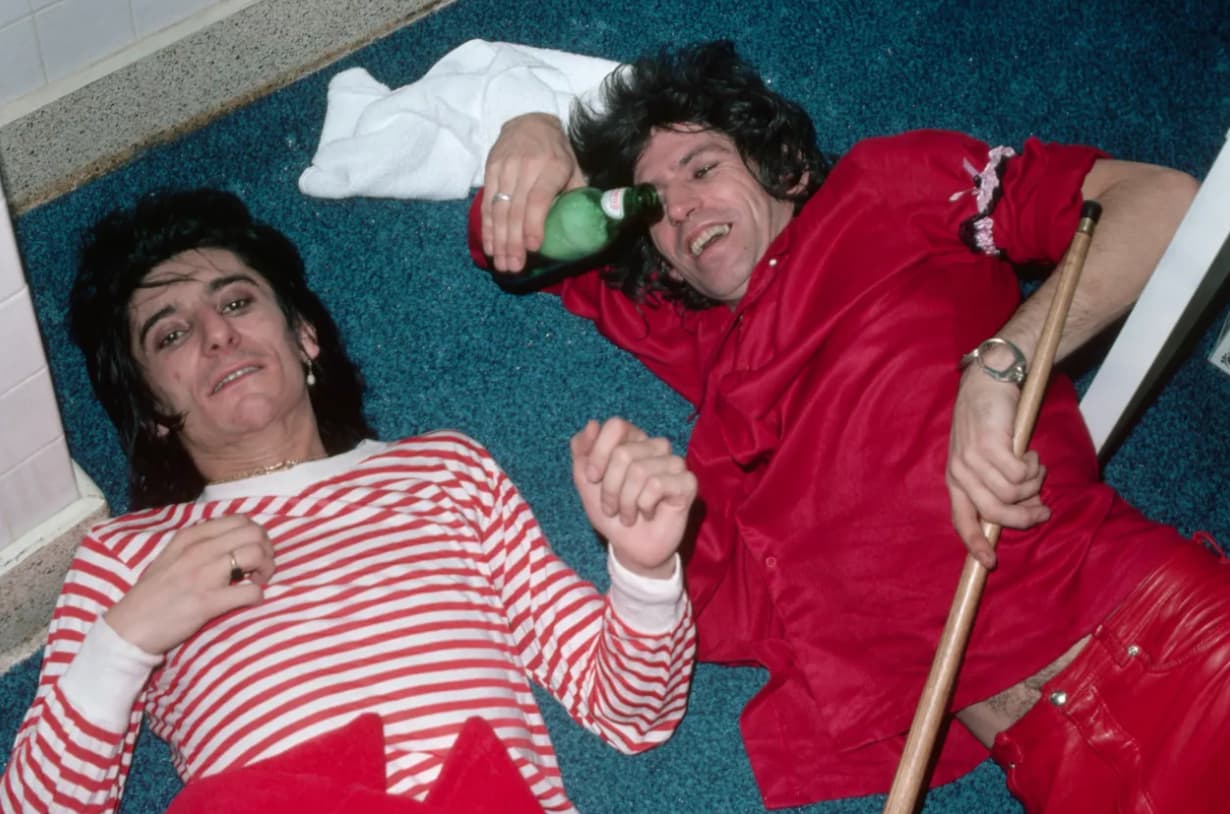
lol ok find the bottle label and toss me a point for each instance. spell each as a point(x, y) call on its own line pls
point(612, 203)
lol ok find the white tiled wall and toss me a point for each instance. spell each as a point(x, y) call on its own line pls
point(36, 474)
point(43, 41)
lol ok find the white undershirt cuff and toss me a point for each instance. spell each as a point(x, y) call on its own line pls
point(105, 677)
point(647, 604)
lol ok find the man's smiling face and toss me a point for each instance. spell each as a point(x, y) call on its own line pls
point(215, 349)
point(718, 220)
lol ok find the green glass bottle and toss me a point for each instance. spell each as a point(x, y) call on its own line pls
point(580, 223)
point(584, 221)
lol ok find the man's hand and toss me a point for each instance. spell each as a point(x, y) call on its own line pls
point(189, 583)
point(636, 493)
point(984, 478)
point(531, 163)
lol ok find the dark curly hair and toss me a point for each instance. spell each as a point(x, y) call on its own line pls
point(707, 85)
point(117, 254)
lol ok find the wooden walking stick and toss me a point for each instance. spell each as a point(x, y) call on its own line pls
point(932, 706)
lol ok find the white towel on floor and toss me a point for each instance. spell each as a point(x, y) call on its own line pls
point(429, 139)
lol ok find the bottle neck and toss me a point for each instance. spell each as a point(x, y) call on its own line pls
point(627, 203)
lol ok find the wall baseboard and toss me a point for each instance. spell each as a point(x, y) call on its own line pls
point(32, 570)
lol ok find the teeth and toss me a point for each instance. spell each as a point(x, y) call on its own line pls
point(708, 236)
point(230, 377)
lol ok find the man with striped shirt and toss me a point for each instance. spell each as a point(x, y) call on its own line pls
point(283, 573)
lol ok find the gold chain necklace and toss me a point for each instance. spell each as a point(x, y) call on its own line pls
point(264, 470)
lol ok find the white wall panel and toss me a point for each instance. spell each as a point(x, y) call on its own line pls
point(29, 419)
point(75, 33)
point(36, 474)
point(12, 278)
point(21, 67)
point(41, 486)
point(11, 10)
point(20, 344)
point(151, 16)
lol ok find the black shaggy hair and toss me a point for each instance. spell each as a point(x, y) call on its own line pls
point(706, 85)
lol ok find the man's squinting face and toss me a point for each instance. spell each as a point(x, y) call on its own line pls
point(215, 348)
point(718, 220)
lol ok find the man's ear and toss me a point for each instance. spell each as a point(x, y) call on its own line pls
point(163, 421)
point(307, 339)
point(800, 186)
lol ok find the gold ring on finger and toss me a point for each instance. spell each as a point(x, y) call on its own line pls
point(236, 572)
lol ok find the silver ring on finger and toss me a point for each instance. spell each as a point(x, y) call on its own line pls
point(502, 197)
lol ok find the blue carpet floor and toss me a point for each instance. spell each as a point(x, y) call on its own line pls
point(442, 346)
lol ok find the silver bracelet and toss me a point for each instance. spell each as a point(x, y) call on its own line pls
point(1013, 373)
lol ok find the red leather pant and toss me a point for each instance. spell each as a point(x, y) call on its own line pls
point(1140, 720)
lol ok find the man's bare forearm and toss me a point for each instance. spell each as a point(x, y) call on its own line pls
point(1142, 205)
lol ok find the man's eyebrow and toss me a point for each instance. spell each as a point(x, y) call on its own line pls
point(690, 156)
point(701, 149)
point(222, 282)
point(216, 284)
point(165, 311)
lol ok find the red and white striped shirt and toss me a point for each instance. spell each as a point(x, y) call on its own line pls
point(412, 581)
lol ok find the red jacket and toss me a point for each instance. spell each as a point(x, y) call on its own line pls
point(823, 408)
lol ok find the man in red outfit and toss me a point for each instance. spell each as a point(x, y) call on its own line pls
point(853, 338)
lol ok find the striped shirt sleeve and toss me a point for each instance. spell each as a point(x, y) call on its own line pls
point(75, 745)
point(620, 664)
